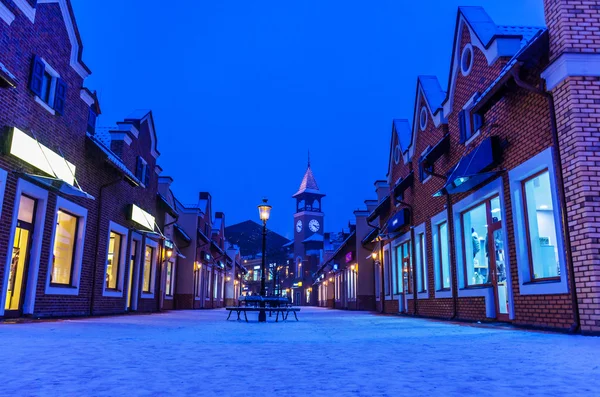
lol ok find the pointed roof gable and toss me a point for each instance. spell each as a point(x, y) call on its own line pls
point(400, 142)
point(139, 116)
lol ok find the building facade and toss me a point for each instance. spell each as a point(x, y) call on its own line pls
point(488, 185)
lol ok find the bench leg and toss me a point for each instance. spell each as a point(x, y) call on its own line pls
point(276, 316)
point(287, 313)
point(229, 314)
point(246, 316)
point(238, 313)
point(295, 316)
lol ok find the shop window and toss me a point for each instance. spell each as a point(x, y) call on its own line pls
point(420, 262)
point(540, 224)
point(49, 88)
point(540, 251)
point(170, 279)
point(198, 279)
point(215, 285)
point(403, 258)
point(113, 261)
point(386, 272)
point(442, 257)
point(208, 278)
point(65, 236)
point(149, 262)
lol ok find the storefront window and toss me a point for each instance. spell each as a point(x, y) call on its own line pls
point(64, 248)
point(215, 285)
point(475, 234)
point(386, 272)
point(443, 259)
point(147, 282)
point(541, 227)
point(421, 272)
point(169, 280)
point(113, 260)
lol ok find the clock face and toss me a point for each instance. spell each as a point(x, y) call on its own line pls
point(299, 226)
point(314, 225)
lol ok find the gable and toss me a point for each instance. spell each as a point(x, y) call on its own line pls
point(399, 145)
point(141, 117)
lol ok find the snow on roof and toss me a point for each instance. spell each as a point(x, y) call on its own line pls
point(481, 22)
point(103, 135)
point(113, 158)
point(434, 94)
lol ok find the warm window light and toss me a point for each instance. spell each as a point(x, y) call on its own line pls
point(374, 255)
point(264, 210)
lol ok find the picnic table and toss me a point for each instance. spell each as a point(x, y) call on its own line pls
point(253, 303)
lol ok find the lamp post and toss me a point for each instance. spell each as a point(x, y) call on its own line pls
point(264, 211)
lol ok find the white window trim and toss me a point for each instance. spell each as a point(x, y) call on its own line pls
point(386, 253)
point(422, 230)
point(81, 213)
point(135, 284)
point(200, 283)
point(41, 195)
point(478, 197)
point(170, 297)
point(435, 221)
point(55, 76)
point(523, 171)
point(26, 9)
point(377, 278)
point(144, 171)
point(399, 241)
point(469, 121)
point(149, 243)
point(123, 259)
point(6, 15)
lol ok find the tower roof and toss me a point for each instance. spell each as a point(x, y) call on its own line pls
point(309, 183)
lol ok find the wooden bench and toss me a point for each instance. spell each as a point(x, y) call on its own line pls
point(285, 311)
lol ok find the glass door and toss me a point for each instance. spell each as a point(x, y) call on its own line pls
point(498, 270)
point(19, 264)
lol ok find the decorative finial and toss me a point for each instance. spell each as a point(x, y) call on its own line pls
point(308, 158)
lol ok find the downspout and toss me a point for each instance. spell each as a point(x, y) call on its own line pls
point(97, 242)
point(561, 192)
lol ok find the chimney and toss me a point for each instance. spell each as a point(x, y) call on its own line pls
point(382, 188)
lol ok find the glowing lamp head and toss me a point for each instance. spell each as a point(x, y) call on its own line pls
point(374, 255)
point(264, 210)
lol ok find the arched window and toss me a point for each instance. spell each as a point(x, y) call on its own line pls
point(301, 205)
point(316, 205)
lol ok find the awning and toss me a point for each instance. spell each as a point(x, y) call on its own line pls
point(474, 168)
point(59, 185)
point(437, 151)
point(383, 206)
point(203, 236)
point(370, 237)
point(167, 206)
point(399, 220)
point(404, 184)
point(7, 79)
point(216, 247)
point(182, 234)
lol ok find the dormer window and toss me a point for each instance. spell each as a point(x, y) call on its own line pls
point(469, 123)
point(142, 171)
point(49, 89)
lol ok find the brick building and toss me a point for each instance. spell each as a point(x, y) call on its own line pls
point(88, 225)
point(489, 206)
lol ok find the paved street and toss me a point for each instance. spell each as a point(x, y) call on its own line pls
point(326, 353)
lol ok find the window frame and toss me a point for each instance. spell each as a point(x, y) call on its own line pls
point(124, 258)
point(49, 106)
point(387, 272)
point(420, 231)
point(435, 221)
point(170, 287)
point(153, 265)
point(81, 214)
point(541, 161)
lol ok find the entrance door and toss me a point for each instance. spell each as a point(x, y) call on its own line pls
point(498, 270)
point(133, 259)
point(19, 264)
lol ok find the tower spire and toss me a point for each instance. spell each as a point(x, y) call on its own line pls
point(308, 158)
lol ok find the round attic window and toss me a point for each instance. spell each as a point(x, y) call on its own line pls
point(466, 60)
point(423, 118)
point(397, 154)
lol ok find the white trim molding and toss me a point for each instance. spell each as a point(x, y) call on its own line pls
point(87, 98)
point(26, 9)
point(571, 65)
point(81, 214)
point(518, 174)
point(41, 197)
point(124, 233)
point(135, 278)
point(435, 221)
point(494, 188)
point(418, 231)
point(154, 264)
point(6, 15)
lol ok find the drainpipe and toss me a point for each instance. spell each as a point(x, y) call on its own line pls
point(97, 242)
point(561, 192)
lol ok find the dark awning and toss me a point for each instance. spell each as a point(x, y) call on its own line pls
point(370, 237)
point(182, 234)
point(7, 79)
point(167, 206)
point(437, 151)
point(474, 168)
point(214, 246)
point(59, 185)
point(404, 184)
point(385, 203)
point(399, 220)
point(203, 236)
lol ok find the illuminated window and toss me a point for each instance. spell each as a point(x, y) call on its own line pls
point(215, 285)
point(421, 269)
point(442, 259)
point(113, 261)
point(64, 248)
point(170, 280)
point(148, 264)
point(540, 225)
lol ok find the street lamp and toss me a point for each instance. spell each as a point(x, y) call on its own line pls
point(264, 211)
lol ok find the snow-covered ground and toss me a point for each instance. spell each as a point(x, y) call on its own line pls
point(327, 353)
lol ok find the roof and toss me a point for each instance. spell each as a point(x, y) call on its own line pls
point(315, 237)
point(481, 23)
point(401, 128)
point(434, 94)
point(370, 237)
point(337, 251)
point(308, 184)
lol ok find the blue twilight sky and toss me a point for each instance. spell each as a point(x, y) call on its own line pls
point(241, 90)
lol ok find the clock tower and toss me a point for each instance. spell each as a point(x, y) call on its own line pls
point(308, 236)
